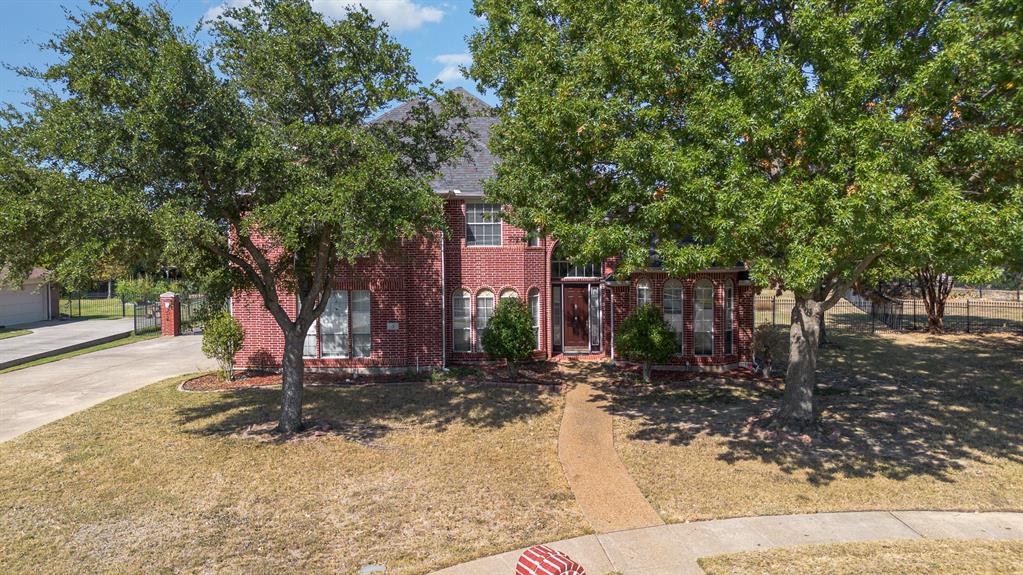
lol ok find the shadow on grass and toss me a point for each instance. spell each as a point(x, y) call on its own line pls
point(368, 413)
point(897, 407)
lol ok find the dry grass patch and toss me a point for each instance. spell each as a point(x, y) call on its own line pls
point(918, 557)
point(920, 422)
point(416, 477)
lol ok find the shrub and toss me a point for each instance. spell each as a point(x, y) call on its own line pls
point(509, 335)
point(145, 288)
point(222, 337)
point(644, 337)
point(768, 345)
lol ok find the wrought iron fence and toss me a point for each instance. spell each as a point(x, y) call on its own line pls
point(969, 316)
point(147, 317)
point(93, 306)
point(194, 309)
point(867, 315)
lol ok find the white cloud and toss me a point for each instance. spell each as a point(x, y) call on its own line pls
point(450, 72)
point(399, 14)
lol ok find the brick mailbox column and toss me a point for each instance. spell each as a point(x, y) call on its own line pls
point(542, 560)
point(170, 314)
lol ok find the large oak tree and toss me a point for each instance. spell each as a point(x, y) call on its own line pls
point(245, 150)
point(804, 138)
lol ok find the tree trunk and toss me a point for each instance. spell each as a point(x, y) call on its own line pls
point(934, 288)
point(293, 373)
point(513, 369)
point(110, 288)
point(646, 372)
point(797, 410)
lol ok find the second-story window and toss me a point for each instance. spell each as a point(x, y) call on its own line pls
point(482, 224)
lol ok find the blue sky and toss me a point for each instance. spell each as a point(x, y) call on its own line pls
point(434, 32)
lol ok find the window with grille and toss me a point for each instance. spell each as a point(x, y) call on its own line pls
point(703, 318)
point(484, 311)
point(671, 305)
point(362, 342)
point(729, 318)
point(334, 326)
point(643, 295)
point(343, 330)
point(482, 224)
point(534, 311)
point(460, 318)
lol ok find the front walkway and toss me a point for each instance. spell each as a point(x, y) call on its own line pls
point(38, 395)
point(674, 549)
point(603, 487)
point(54, 337)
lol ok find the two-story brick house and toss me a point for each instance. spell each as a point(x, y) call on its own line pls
point(426, 303)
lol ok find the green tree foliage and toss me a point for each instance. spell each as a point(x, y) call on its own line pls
point(222, 337)
point(509, 334)
point(806, 139)
point(644, 337)
point(258, 127)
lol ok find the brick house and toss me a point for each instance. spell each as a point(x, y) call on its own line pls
point(426, 303)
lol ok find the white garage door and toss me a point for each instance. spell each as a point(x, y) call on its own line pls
point(23, 306)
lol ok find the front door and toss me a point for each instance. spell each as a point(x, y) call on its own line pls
point(577, 318)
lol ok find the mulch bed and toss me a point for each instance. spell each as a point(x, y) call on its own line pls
point(538, 373)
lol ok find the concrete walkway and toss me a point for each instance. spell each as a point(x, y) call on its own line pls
point(55, 337)
point(674, 549)
point(603, 487)
point(38, 395)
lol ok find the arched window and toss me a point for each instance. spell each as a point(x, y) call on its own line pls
point(460, 320)
point(484, 311)
point(671, 305)
point(703, 318)
point(729, 318)
point(509, 294)
point(534, 311)
point(643, 295)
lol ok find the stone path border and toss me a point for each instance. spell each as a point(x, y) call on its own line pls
point(674, 549)
point(606, 492)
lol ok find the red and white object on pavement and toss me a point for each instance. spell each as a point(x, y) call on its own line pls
point(542, 560)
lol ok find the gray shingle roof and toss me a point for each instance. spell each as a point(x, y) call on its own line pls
point(467, 174)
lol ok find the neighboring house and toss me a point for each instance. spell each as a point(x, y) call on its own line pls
point(36, 301)
point(427, 303)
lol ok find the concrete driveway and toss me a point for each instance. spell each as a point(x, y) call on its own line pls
point(53, 337)
point(37, 395)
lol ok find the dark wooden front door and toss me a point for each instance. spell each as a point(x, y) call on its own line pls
point(577, 318)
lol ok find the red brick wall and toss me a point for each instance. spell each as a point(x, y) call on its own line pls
point(406, 288)
point(626, 301)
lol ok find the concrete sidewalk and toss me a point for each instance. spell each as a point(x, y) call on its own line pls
point(55, 337)
point(674, 549)
point(38, 395)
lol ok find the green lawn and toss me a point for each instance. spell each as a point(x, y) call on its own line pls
point(920, 422)
point(9, 333)
point(415, 477)
point(103, 308)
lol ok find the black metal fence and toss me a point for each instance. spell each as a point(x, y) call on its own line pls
point(968, 316)
point(147, 314)
point(859, 314)
point(93, 306)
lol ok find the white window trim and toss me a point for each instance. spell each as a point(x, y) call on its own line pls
point(500, 224)
point(713, 314)
point(681, 334)
point(644, 285)
point(468, 320)
point(476, 327)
